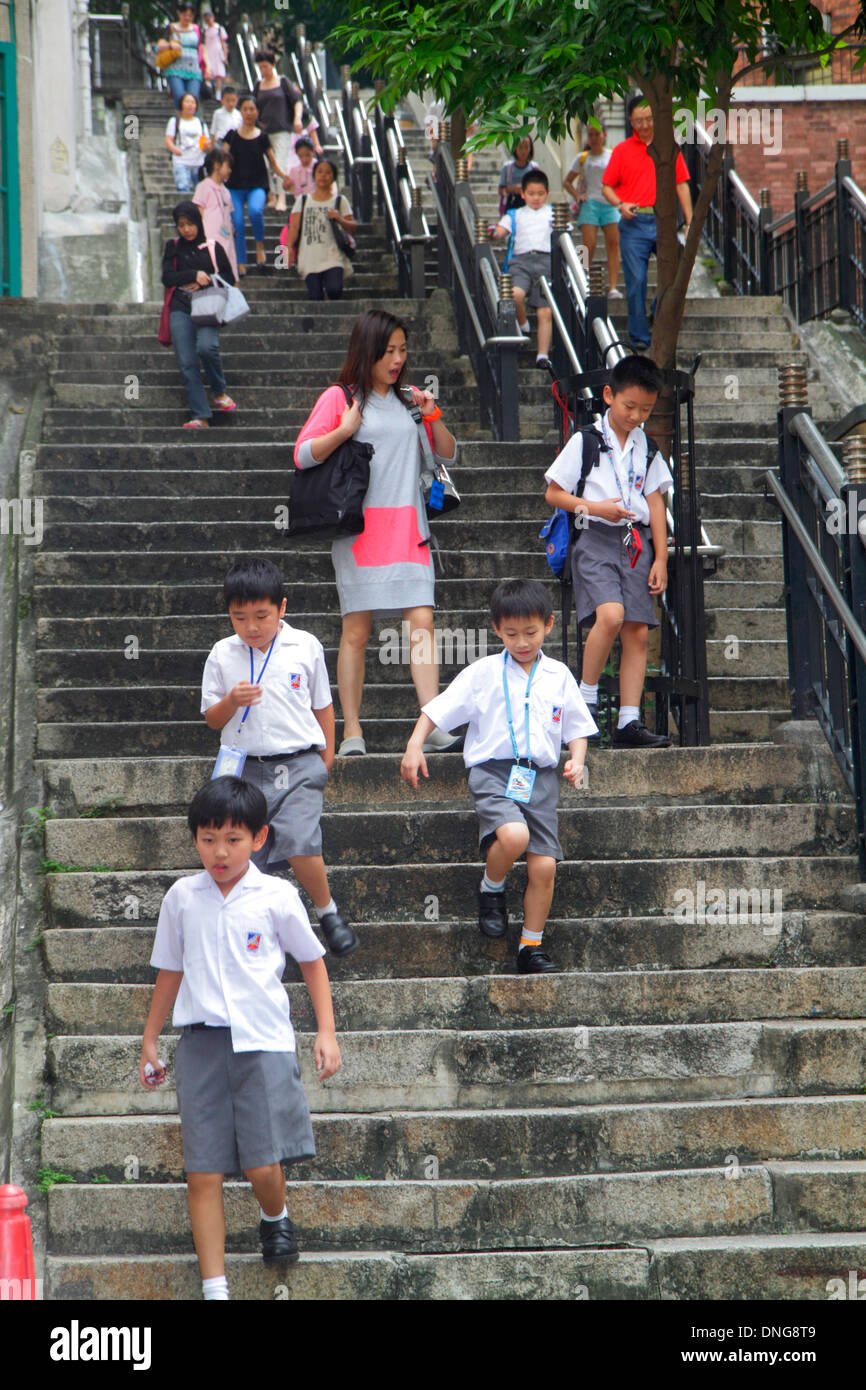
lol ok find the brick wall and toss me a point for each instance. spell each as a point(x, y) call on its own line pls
point(809, 131)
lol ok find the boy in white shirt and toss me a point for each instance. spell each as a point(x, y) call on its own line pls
point(619, 558)
point(220, 950)
point(530, 256)
point(227, 116)
point(279, 720)
point(521, 707)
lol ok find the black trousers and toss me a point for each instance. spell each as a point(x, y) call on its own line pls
point(324, 282)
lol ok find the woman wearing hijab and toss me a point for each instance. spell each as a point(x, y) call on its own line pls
point(187, 265)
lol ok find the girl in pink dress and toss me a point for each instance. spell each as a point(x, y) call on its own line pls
point(216, 203)
point(215, 50)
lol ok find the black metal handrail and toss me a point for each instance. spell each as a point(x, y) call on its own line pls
point(483, 304)
point(813, 256)
point(822, 506)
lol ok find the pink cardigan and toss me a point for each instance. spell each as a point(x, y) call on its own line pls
point(216, 213)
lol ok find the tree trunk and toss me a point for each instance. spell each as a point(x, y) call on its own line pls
point(458, 133)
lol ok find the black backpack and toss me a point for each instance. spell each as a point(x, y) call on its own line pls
point(327, 500)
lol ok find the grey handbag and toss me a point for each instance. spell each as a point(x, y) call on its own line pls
point(208, 305)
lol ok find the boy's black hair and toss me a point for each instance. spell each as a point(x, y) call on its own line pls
point(252, 578)
point(534, 176)
point(635, 102)
point(229, 89)
point(520, 598)
point(227, 800)
point(636, 371)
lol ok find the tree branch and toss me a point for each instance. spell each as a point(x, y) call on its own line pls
point(802, 58)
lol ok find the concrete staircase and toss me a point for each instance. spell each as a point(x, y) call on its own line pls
point(679, 1114)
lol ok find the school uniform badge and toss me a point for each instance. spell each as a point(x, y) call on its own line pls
point(254, 940)
point(557, 714)
point(295, 679)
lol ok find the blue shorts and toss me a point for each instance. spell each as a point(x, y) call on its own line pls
point(595, 214)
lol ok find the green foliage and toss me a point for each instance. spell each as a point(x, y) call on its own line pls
point(54, 866)
point(41, 1107)
point(518, 64)
point(34, 828)
point(102, 808)
point(47, 1178)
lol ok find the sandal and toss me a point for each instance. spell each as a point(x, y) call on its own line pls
point(224, 403)
point(196, 425)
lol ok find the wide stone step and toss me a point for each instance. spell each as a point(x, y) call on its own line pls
point(733, 654)
point(725, 623)
point(802, 1267)
point(591, 887)
point(448, 949)
point(741, 726)
point(738, 775)
point(525, 1213)
point(435, 1069)
point(562, 1001)
point(496, 1143)
point(414, 836)
point(543, 1274)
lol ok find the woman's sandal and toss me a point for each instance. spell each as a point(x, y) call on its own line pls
point(224, 403)
point(196, 425)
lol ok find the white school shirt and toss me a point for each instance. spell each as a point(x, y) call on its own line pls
point(557, 710)
point(295, 683)
point(224, 121)
point(232, 951)
point(187, 135)
point(531, 228)
point(602, 480)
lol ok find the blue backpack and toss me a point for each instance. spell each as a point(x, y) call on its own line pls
point(557, 532)
point(509, 249)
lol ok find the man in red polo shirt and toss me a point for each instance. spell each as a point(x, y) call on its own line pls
point(629, 183)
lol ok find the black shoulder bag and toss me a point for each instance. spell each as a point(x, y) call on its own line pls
point(328, 500)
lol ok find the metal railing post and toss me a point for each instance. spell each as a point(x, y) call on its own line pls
point(596, 308)
point(853, 495)
point(559, 356)
point(418, 249)
point(506, 324)
point(801, 247)
point(843, 227)
point(728, 219)
point(765, 260)
point(793, 396)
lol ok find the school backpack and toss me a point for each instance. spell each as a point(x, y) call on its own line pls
point(558, 533)
point(509, 249)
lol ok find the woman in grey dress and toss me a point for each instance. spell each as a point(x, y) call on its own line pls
point(388, 566)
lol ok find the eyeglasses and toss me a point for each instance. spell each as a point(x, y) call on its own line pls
point(641, 120)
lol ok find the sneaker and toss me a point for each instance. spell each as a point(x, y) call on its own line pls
point(595, 739)
point(341, 940)
point(637, 735)
point(531, 960)
point(440, 742)
point(492, 913)
point(614, 293)
point(278, 1242)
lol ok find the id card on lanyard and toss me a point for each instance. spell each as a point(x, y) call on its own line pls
point(632, 538)
point(520, 779)
point(230, 759)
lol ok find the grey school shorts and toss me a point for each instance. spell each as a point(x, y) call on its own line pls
point(293, 787)
point(487, 783)
point(526, 270)
point(239, 1110)
point(602, 574)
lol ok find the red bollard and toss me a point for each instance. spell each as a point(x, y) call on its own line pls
point(17, 1271)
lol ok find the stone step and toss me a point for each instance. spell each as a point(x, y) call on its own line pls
point(448, 949)
point(747, 725)
point(458, 531)
point(563, 1001)
point(543, 1274)
point(807, 1266)
point(737, 775)
point(497, 1144)
point(413, 836)
point(447, 1069)
point(595, 887)
point(525, 1213)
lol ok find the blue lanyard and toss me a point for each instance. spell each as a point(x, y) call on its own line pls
point(253, 681)
point(609, 443)
point(535, 667)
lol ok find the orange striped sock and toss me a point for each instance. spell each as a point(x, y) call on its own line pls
point(530, 938)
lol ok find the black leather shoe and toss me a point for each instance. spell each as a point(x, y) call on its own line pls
point(492, 913)
point(637, 735)
point(531, 960)
point(594, 740)
point(341, 940)
point(278, 1242)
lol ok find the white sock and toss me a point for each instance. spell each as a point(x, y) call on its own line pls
point(284, 1212)
point(589, 693)
point(488, 885)
point(215, 1289)
point(627, 715)
point(530, 938)
point(323, 911)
